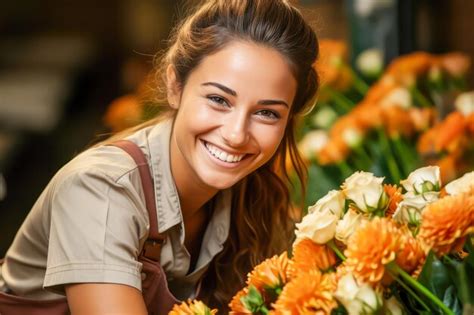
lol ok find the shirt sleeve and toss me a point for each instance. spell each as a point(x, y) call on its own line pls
point(95, 233)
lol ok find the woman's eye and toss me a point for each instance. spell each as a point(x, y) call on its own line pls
point(218, 100)
point(268, 114)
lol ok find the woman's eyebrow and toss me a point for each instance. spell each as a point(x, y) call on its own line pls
point(273, 102)
point(222, 87)
point(234, 93)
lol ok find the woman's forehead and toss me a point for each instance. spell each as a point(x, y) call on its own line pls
point(247, 67)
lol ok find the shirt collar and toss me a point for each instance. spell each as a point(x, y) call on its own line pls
point(166, 195)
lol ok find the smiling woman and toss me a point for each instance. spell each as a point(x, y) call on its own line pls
point(203, 196)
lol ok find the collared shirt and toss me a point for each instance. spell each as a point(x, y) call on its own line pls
point(90, 224)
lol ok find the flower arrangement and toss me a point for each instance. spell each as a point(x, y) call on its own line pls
point(373, 248)
point(402, 121)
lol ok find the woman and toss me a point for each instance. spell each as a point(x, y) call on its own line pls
point(237, 74)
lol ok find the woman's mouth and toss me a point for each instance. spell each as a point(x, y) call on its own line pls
point(223, 155)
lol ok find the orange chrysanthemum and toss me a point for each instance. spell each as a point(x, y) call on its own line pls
point(367, 115)
point(456, 63)
point(123, 112)
point(375, 244)
point(332, 64)
point(309, 293)
point(395, 122)
point(308, 255)
point(271, 273)
point(422, 118)
point(453, 127)
point(448, 167)
point(405, 69)
point(335, 151)
point(426, 143)
point(446, 222)
point(194, 307)
point(394, 194)
point(236, 306)
point(412, 257)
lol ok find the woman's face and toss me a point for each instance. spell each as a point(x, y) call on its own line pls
point(232, 114)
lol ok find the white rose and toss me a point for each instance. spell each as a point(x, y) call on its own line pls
point(324, 117)
point(312, 143)
point(333, 202)
point(392, 307)
point(357, 299)
point(461, 185)
point(349, 223)
point(465, 103)
point(365, 190)
point(409, 210)
point(370, 62)
point(423, 180)
point(320, 227)
point(400, 97)
point(352, 137)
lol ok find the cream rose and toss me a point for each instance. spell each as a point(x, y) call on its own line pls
point(349, 223)
point(461, 185)
point(465, 103)
point(332, 202)
point(392, 307)
point(312, 143)
point(409, 210)
point(422, 180)
point(370, 62)
point(317, 226)
point(357, 299)
point(352, 137)
point(365, 190)
point(400, 97)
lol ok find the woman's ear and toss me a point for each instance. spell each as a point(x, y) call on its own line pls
point(173, 88)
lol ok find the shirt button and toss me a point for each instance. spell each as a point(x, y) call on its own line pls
point(143, 276)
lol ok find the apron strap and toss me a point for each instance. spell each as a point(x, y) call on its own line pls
point(155, 240)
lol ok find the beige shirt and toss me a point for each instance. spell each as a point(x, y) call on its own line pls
point(90, 224)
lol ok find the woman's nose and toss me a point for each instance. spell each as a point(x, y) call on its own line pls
point(235, 131)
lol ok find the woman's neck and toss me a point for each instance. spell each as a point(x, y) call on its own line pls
point(193, 194)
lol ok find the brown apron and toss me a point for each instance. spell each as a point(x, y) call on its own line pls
point(158, 299)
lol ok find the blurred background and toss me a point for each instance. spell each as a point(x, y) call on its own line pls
point(63, 63)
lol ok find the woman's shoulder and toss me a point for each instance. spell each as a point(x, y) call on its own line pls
point(106, 163)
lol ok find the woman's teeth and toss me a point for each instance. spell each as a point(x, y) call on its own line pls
point(223, 156)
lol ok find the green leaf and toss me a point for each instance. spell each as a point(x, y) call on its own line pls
point(436, 277)
point(462, 275)
point(451, 300)
point(254, 302)
point(340, 310)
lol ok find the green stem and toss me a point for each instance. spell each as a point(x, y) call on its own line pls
point(391, 163)
point(345, 169)
point(359, 84)
point(419, 287)
point(364, 156)
point(403, 155)
point(336, 250)
point(420, 98)
point(340, 100)
point(411, 292)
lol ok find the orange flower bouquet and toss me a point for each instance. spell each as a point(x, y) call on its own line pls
point(373, 248)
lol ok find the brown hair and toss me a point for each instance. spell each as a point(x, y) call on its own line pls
point(261, 220)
